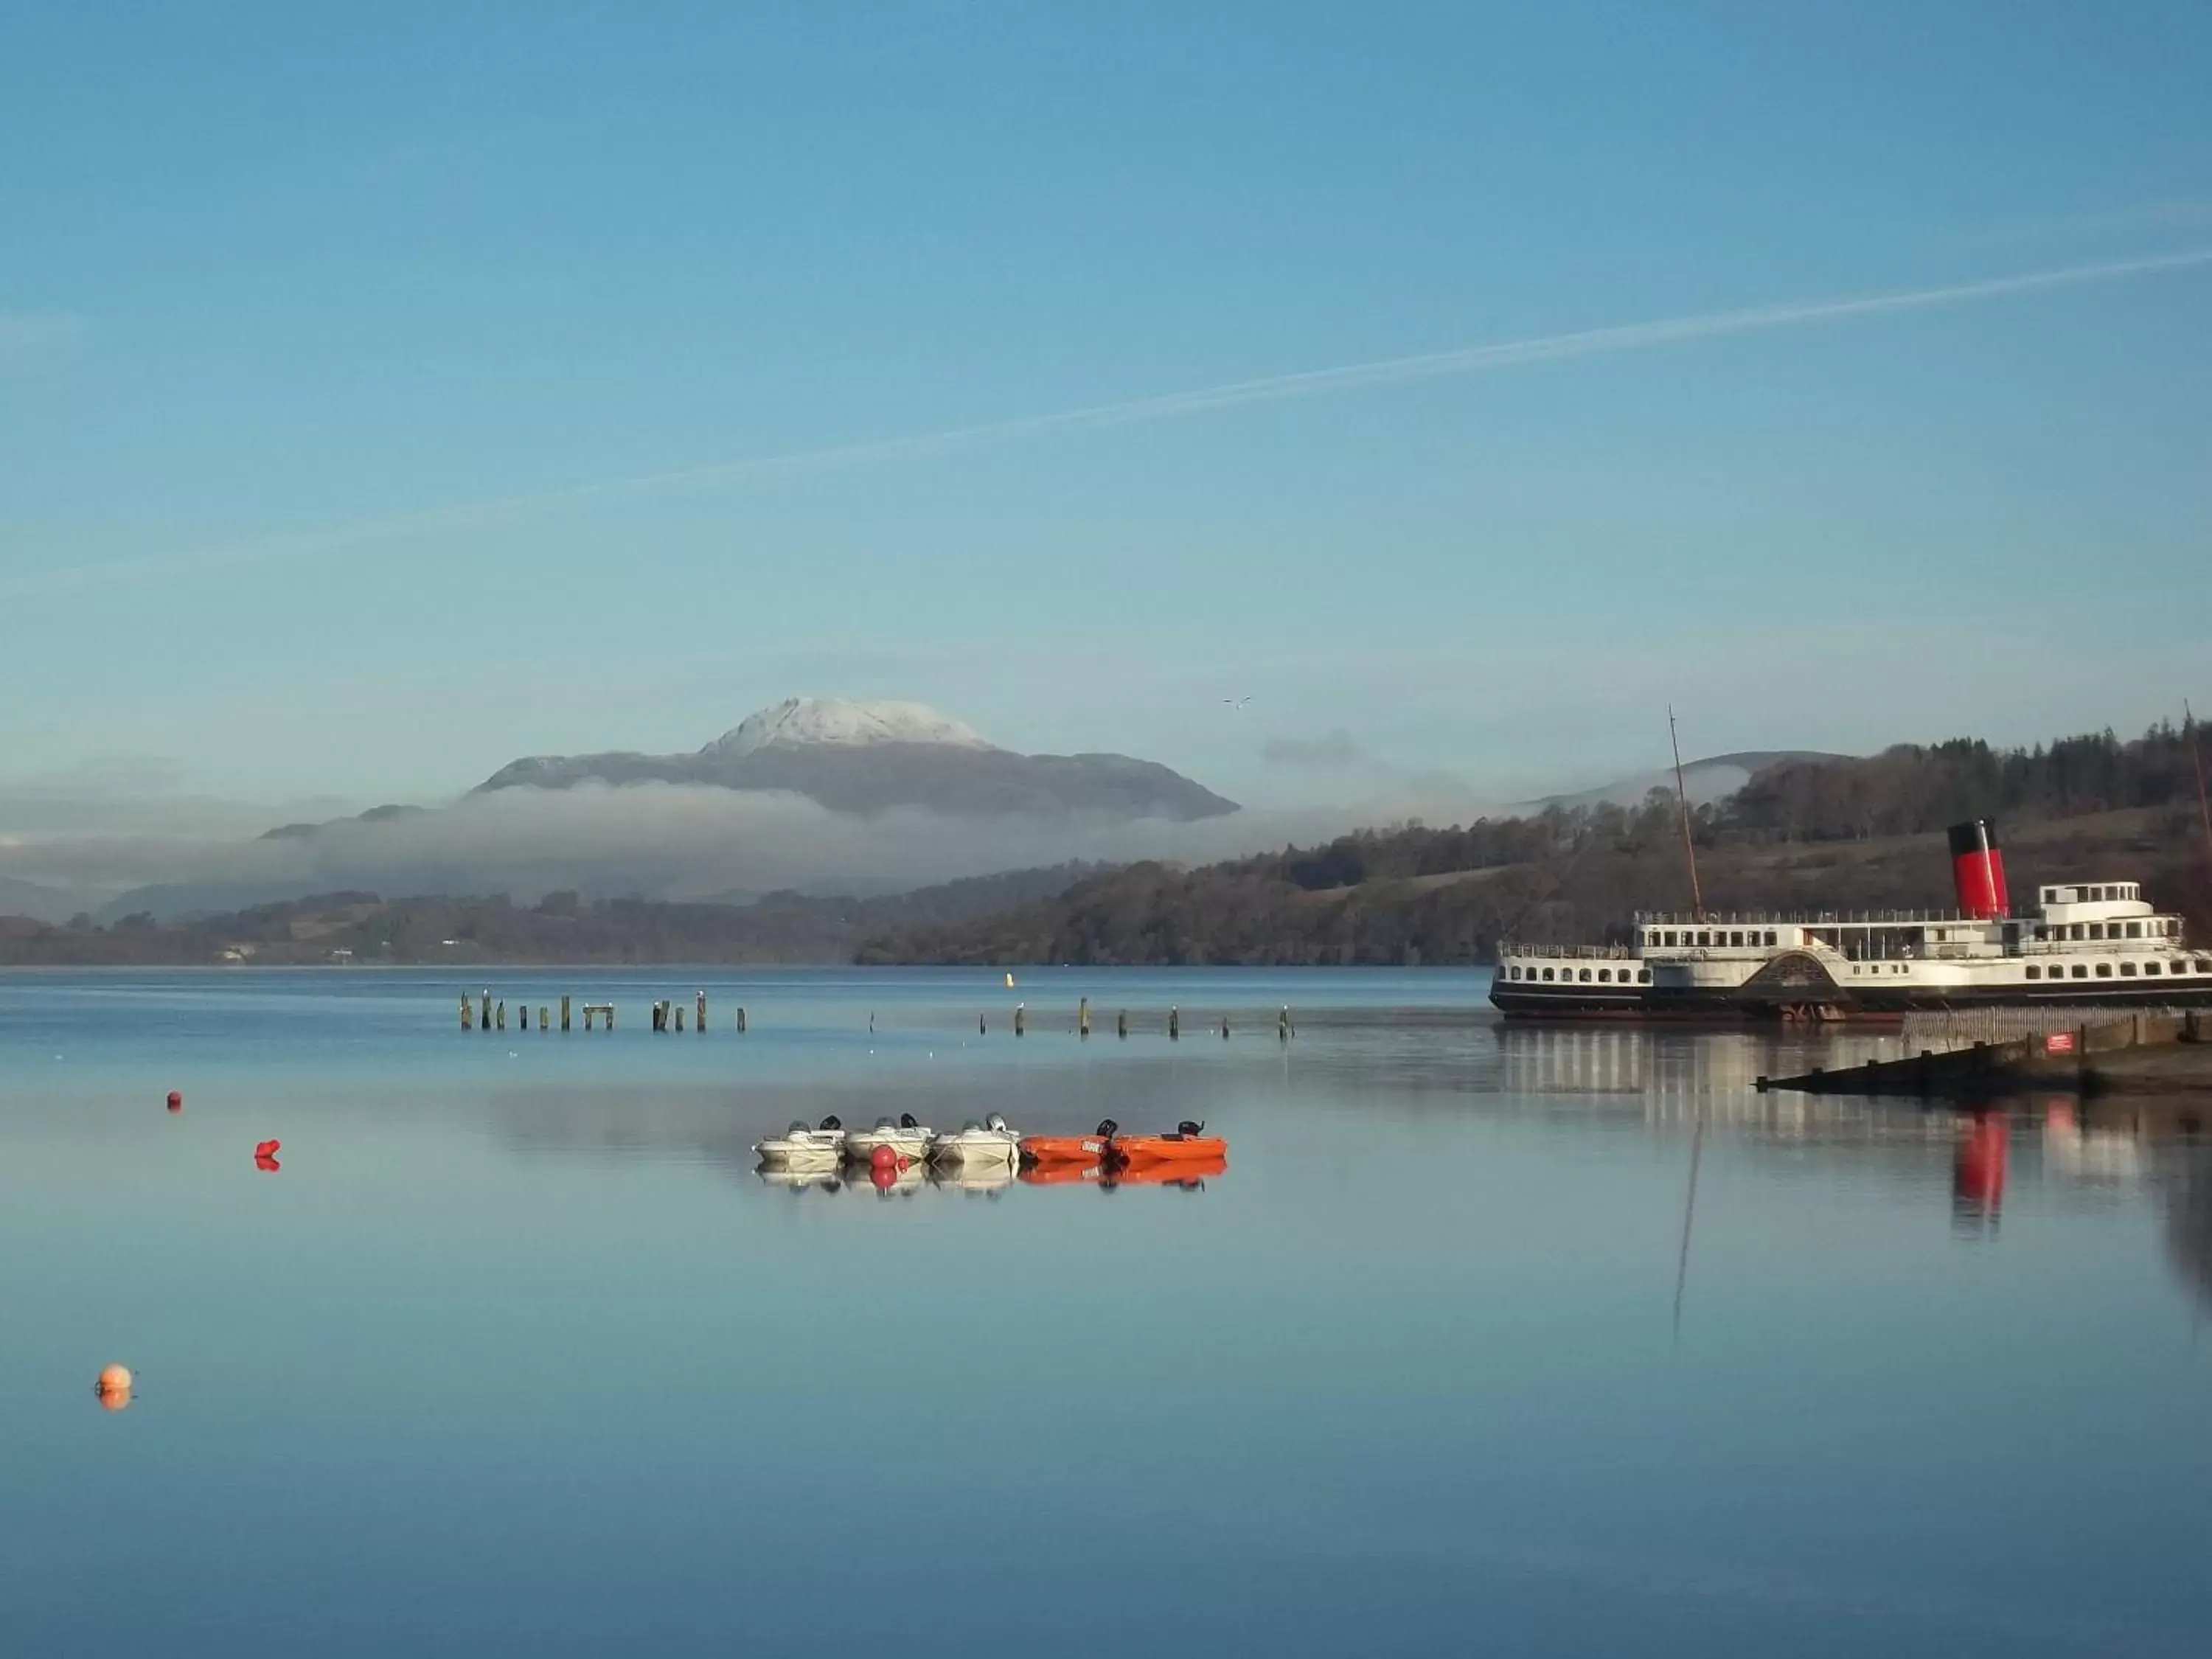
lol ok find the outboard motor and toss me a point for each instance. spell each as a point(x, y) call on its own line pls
point(1188, 1130)
point(995, 1122)
point(833, 1122)
point(1108, 1128)
point(908, 1121)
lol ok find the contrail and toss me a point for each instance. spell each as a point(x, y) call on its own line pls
point(1273, 388)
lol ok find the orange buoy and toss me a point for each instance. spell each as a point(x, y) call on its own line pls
point(114, 1387)
point(176, 1101)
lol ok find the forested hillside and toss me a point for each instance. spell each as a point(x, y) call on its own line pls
point(1841, 834)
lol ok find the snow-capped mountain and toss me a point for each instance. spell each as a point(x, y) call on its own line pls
point(797, 721)
point(874, 756)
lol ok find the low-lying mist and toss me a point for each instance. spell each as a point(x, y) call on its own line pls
point(646, 840)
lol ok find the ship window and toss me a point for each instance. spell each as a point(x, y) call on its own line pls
point(2202, 966)
point(1583, 977)
point(2033, 972)
point(2135, 930)
point(1669, 936)
point(2104, 970)
point(1704, 936)
point(1643, 977)
point(1605, 975)
point(2080, 972)
point(2096, 930)
point(1547, 973)
point(2127, 970)
point(2151, 969)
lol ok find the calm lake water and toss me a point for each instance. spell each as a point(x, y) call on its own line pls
point(1532, 1341)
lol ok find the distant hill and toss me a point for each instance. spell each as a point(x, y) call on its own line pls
point(28, 898)
point(1713, 779)
point(870, 757)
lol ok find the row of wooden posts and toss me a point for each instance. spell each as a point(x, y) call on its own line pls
point(492, 1016)
point(1284, 1029)
point(668, 1015)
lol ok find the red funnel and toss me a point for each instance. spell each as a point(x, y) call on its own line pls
point(1978, 869)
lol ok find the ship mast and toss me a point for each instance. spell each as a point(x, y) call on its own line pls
point(1682, 798)
point(2197, 758)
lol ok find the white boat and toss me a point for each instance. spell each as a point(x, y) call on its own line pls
point(801, 1148)
point(909, 1139)
point(986, 1142)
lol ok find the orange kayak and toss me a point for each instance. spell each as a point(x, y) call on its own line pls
point(1171, 1149)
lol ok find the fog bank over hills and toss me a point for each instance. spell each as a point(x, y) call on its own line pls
point(824, 797)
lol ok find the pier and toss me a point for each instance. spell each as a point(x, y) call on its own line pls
point(2141, 1053)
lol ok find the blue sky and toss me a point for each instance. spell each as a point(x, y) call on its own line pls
point(318, 332)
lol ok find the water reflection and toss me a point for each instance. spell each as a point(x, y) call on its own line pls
point(1977, 1170)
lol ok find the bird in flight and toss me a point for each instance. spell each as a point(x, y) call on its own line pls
point(1237, 702)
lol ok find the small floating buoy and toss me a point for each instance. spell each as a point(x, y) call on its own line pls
point(176, 1101)
point(885, 1157)
point(114, 1387)
point(267, 1148)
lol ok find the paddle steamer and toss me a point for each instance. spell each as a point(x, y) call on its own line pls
point(2087, 944)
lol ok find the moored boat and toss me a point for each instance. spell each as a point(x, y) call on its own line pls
point(988, 1142)
point(907, 1138)
point(2088, 945)
point(1189, 1144)
point(800, 1147)
point(1093, 1148)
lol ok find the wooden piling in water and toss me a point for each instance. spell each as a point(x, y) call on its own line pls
point(468, 1012)
point(564, 1011)
point(741, 1019)
point(1283, 1024)
point(502, 1013)
point(679, 1016)
point(1122, 1023)
point(1225, 1028)
point(1082, 1017)
point(1174, 1025)
point(542, 1023)
point(1021, 1020)
point(702, 1013)
point(483, 1018)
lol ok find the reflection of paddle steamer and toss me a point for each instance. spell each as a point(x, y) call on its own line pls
point(2089, 944)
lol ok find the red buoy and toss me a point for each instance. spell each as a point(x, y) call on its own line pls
point(176, 1101)
point(885, 1157)
point(267, 1148)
